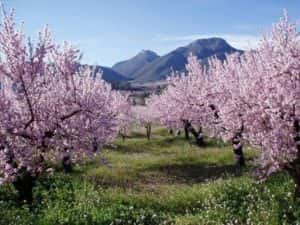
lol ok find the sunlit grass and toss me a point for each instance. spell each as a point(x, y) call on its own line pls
point(166, 180)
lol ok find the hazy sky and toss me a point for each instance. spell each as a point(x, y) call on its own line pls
point(108, 31)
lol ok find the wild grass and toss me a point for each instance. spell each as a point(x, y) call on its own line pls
point(166, 180)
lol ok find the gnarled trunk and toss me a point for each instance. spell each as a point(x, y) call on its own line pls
point(238, 151)
point(24, 185)
point(186, 130)
point(24, 181)
point(198, 135)
point(67, 162)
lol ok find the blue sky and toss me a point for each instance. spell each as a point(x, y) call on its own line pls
point(108, 31)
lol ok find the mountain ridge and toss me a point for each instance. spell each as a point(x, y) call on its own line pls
point(176, 60)
point(108, 74)
point(128, 67)
point(148, 66)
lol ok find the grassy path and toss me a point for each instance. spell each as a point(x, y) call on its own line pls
point(163, 181)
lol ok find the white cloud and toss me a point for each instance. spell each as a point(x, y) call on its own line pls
point(240, 41)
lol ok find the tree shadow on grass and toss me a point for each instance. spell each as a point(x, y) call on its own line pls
point(135, 134)
point(171, 174)
point(196, 173)
point(146, 146)
point(180, 140)
point(171, 141)
point(127, 148)
point(215, 143)
point(167, 175)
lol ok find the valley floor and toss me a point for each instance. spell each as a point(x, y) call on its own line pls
point(166, 180)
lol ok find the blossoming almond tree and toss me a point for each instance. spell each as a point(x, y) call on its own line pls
point(48, 109)
point(183, 102)
point(145, 116)
point(257, 98)
point(214, 101)
point(124, 110)
point(252, 97)
point(227, 102)
point(274, 99)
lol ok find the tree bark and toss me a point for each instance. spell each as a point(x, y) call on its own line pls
point(148, 131)
point(24, 181)
point(177, 133)
point(297, 186)
point(197, 134)
point(294, 172)
point(24, 185)
point(238, 151)
point(293, 168)
point(186, 130)
point(297, 162)
point(67, 163)
point(122, 133)
point(122, 136)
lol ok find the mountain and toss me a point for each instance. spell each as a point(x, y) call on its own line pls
point(129, 67)
point(109, 75)
point(176, 60)
point(147, 66)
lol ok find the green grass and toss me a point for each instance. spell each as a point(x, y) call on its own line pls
point(163, 181)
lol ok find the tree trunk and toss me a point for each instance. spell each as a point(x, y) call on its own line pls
point(293, 168)
point(122, 136)
point(294, 172)
point(67, 163)
point(297, 162)
point(24, 185)
point(148, 131)
point(238, 151)
point(24, 181)
point(186, 129)
point(297, 186)
point(197, 134)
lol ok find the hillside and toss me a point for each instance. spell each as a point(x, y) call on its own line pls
point(147, 66)
point(129, 67)
point(109, 75)
point(161, 67)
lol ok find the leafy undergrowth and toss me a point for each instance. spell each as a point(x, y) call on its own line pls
point(163, 181)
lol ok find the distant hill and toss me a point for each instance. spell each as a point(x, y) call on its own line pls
point(147, 66)
point(129, 67)
point(161, 67)
point(110, 75)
